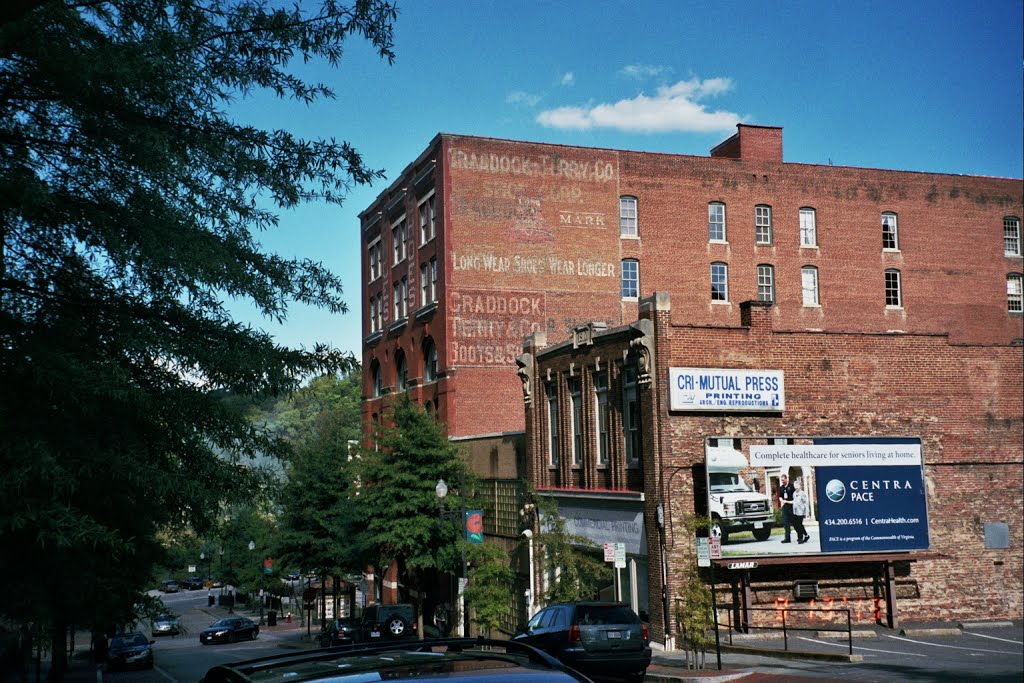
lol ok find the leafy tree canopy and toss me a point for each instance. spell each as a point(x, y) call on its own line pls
point(130, 205)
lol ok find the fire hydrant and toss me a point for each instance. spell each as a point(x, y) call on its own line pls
point(289, 618)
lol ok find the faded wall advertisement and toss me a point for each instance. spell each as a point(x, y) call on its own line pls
point(486, 326)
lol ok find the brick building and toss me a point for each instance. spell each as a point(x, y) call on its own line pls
point(482, 242)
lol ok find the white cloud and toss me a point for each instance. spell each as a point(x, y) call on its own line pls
point(521, 97)
point(642, 71)
point(568, 78)
point(674, 108)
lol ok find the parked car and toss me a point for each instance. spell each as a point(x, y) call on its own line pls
point(597, 637)
point(468, 660)
point(165, 625)
point(230, 630)
point(294, 576)
point(193, 583)
point(344, 631)
point(129, 650)
point(169, 586)
point(387, 621)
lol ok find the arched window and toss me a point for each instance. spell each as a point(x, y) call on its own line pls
point(762, 224)
point(378, 384)
point(1011, 236)
point(630, 278)
point(893, 289)
point(628, 217)
point(808, 227)
point(401, 371)
point(716, 222)
point(429, 361)
point(719, 282)
point(809, 281)
point(766, 283)
point(890, 231)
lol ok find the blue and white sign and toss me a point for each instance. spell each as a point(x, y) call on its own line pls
point(726, 390)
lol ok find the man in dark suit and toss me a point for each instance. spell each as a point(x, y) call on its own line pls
point(786, 492)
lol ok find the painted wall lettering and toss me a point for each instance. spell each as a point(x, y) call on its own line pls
point(486, 327)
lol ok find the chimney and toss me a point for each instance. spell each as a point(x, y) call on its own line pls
point(752, 143)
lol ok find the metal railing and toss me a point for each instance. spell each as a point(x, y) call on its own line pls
point(787, 627)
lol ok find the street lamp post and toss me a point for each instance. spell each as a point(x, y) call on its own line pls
point(252, 547)
point(442, 490)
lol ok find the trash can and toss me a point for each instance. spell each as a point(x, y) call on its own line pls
point(271, 618)
point(210, 600)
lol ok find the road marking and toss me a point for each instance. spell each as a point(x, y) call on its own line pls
point(955, 647)
point(857, 647)
point(1004, 640)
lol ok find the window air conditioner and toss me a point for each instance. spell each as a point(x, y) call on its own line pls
point(805, 590)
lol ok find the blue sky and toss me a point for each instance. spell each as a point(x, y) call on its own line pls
point(921, 86)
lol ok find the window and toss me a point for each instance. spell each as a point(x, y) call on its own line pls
point(809, 280)
point(601, 415)
point(405, 296)
point(890, 237)
point(424, 285)
point(552, 395)
point(1014, 293)
point(766, 283)
point(1011, 236)
point(378, 385)
point(399, 236)
point(808, 228)
point(630, 416)
point(576, 402)
point(627, 217)
point(396, 301)
point(374, 254)
point(430, 361)
point(763, 224)
point(893, 295)
point(433, 279)
point(380, 310)
point(719, 282)
point(401, 295)
point(630, 278)
point(373, 314)
point(401, 372)
point(428, 219)
point(716, 222)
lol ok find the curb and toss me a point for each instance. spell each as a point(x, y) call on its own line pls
point(659, 677)
point(985, 624)
point(946, 631)
point(793, 654)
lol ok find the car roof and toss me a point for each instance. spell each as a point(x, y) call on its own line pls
point(468, 659)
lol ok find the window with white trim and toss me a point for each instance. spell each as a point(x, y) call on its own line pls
point(428, 219)
point(808, 228)
point(396, 301)
point(766, 283)
point(719, 282)
point(433, 279)
point(601, 417)
point(628, 217)
point(893, 289)
point(373, 314)
point(399, 237)
point(551, 391)
point(576, 415)
point(630, 278)
point(809, 284)
point(401, 294)
point(380, 310)
point(424, 285)
point(890, 232)
point(763, 224)
point(378, 383)
point(1011, 236)
point(716, 222)
point(375, 254)
point(631, 416)
point(1015, 293)
point(401, 372)
point(430, 361)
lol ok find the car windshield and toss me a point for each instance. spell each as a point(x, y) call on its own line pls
point(129, 641)
point(724, 482)
point(591, 615)
point(223, 623)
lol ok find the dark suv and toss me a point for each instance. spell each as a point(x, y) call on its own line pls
point(595, 637)
point(387, 621)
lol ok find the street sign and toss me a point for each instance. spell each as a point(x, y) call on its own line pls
point(620, 555)
point(703, 553)
point(715, 542)
point(309, 595)
point(609, 552)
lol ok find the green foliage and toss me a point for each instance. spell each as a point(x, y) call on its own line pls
point(490, 576)
point(580, 574)
point(694, 608)
point(320, 528)
point(397, 499)
point(129, 208)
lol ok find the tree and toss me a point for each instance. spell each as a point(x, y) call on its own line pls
point(129, 208)
point(397, 498)
point(487, 593)
point(319, 525)
point(579, 575)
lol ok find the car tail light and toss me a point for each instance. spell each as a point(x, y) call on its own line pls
point(647, 635)
point(574, 633)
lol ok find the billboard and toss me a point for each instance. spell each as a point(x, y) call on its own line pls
point(859, 495)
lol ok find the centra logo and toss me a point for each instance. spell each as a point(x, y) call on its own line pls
point(835, 490)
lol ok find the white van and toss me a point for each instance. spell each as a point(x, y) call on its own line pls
point(733, 504)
